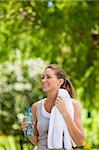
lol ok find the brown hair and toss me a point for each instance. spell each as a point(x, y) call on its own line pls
point(59, 72)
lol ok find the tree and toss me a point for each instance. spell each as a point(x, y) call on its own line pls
point(63, 32)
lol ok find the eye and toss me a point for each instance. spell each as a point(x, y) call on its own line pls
point(48, 77)
point(42, 77)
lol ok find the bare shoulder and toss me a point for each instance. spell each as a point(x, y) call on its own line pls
point(34, 106)
point(34, 109)
point(77, 105)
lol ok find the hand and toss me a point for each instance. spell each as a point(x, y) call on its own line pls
point(24, 124)
point(60, 104)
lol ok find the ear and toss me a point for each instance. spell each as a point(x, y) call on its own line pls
point(61, 81)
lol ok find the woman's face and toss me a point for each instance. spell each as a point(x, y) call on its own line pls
point(50, 81)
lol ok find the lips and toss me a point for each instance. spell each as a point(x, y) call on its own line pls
point(44, 86)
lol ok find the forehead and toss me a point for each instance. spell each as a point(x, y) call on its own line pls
point(49, 71)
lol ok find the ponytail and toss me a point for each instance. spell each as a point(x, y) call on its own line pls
point(69, 87)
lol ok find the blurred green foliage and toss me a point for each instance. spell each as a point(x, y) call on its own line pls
point(20, 87)
point(36, 33)
point(13, 143)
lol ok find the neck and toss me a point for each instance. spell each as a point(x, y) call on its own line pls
point(51, 97)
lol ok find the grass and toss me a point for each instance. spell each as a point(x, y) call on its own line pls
point(13, 143)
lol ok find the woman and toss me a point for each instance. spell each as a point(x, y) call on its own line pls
point(53, 79)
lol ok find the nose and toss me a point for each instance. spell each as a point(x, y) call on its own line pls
point(44, 79)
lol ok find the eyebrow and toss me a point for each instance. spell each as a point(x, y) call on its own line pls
point(46, 74)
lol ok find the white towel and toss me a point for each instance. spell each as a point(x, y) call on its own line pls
point(58, 132)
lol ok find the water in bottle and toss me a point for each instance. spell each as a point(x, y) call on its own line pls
point(29, 119)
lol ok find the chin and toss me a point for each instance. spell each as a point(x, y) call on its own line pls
point(45, 90)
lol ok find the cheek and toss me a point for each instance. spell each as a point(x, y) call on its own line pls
point(55, 84)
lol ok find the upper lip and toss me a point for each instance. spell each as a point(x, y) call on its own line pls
point(43, 84)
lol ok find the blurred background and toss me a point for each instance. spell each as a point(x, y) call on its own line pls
point(34, 33)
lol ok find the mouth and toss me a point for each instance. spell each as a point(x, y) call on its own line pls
point(44, 86)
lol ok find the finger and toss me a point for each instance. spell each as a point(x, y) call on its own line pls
point(57, 105)
point(57, 102)
point(24, 119)
point(34, 123)
point(59, 99)
point(24, 126)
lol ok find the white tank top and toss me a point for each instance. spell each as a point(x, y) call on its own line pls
point(43, 118)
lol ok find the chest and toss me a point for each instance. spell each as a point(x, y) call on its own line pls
point(43, 124)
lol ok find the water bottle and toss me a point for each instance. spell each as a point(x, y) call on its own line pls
point(29, 119)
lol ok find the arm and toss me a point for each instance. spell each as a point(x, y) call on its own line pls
point(75, 126)
point(33, 139)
